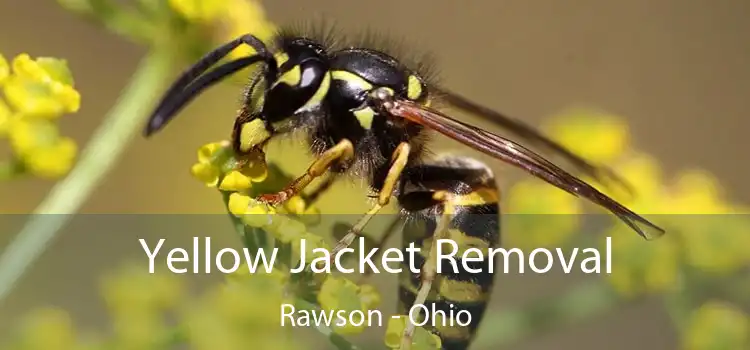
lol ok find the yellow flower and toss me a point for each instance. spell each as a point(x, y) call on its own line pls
point(235, 181)
point(41, 148)
point(48, 329)
point(132, 290)
point(640, 266)
point(697, 192)
point(312, 242)
point(6, 116)
point(209, 151)
point(278, 278)
point(199, 10)
point(713, 233)
point(339, 293)
point(138, 330)
point(644, 174)
point(287, 229)
point(422, 339)
point(244, 17)
point(717, 325)
point(215, 161)
point(597, 136)
point(295, 205)
point(41, 88)
point(4, 69)
point(369, 296)
point(205, 173)
point(233, 315)
point(54, 161)
point(540, 215)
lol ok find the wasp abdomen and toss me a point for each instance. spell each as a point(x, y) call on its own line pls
point(460, 292)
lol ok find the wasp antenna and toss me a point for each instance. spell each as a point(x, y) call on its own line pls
point(186, 87)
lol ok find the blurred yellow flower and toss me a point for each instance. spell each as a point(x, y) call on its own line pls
point(41, 88)
point(199, 10)
point(339, 293)
point(312, 242)
point(717, 325)
point(277, 277)
point(598, 136)
point(48, 329)
point(4, 69)
point(540, 215)
point(422, 339)
point(37, 92)
point(132, 290)
point(713, 234)
point(38, 144)
point(640, 266)
point(287, 230)
point(242, 17)
point(6, 116)
point(233, 315)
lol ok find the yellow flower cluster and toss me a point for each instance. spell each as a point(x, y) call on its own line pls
point(154, 311)
point(216, 162)
point(234, 17)
point(702, 232)
point(338, 293)
point(717, 325)
point(47, 329)
point(243, 311)
point(36, 93)
point(422, 339)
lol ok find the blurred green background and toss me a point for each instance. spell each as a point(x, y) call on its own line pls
point(675, 70)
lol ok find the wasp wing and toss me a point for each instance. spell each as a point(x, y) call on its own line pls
point(519, 156)
point(530, 134)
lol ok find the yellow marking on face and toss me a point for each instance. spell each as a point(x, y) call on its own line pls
point(365, 117)
point(352, 79)
point(321, 93)
point(413, 88)
point(253, 134)
point(481, 196)
point(281, 58)
point(461, 292)
point(291, 77)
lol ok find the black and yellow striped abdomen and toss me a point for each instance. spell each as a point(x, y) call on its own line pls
point(475, 224)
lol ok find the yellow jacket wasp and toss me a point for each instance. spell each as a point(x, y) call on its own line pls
point(366, 113)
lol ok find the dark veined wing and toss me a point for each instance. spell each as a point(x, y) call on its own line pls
point(519, 156)
point(528, 133)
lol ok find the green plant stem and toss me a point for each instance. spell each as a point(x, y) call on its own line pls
point(96, 160)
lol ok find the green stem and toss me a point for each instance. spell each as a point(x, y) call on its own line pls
point(99, 157)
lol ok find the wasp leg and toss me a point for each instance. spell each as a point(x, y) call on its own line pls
point(398, 163)
point(429, 268)
point(380, 244)
point(341, 152)
point(311, 197)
